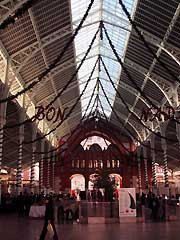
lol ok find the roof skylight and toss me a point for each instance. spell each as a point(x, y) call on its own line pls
point(118, 28)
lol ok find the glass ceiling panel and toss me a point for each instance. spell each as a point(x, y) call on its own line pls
point(118, 29)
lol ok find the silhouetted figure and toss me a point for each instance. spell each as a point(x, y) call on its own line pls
point(49, 218)
point(154, 205)
point(76, 214)
point(20, 205)
point(69, 215)
point(161, 209)
point(27, 204)
point(60, 214)
point(143, 198)
point(82, 195)
point(99, 196)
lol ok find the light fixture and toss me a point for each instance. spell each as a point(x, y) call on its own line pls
point(96, 119)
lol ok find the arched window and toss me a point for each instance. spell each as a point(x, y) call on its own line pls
point(77, 163)
point(108, 164)
point(95, 164)
point(100, 164)
point(118, 179)
point(118, 163)
point(90, 164)
point(78, 182)
point(72, 164)
point(88, 142)
point(82, 163)
point(113, 163)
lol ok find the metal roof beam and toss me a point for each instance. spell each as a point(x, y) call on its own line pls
point(121, 116)
point(27, 53)
point(154, 40)
point(122, 104)
point(157, 80)
point(11, 153)
point(42, 52)
point(121, 19)
point(16, 5)
point(123, 85)
point(15, 76)
point(71, 102)
point(163, 42)
point(170, 49)
point(152, 77)
point(56, 71)
point(22, 57)
point(160, 82)
point(130, 89)
point(23, 157)
point(71, 87)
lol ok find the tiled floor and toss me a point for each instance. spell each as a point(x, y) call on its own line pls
point(14, 228)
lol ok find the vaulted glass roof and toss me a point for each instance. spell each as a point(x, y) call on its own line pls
point(118, 28)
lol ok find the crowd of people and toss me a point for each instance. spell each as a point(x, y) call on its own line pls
point(155, 207)
point(20, 203)
point(67, 207)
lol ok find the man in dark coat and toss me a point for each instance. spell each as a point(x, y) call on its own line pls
point(49, 218)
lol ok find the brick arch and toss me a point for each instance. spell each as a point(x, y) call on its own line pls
point(76, 156)
point(95, 147)
point(89, 129)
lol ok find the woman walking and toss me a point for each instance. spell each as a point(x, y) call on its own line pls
point(49, 219)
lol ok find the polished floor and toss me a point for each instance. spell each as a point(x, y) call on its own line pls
point(14, 228)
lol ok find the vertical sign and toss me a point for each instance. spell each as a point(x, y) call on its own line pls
point(127, 202)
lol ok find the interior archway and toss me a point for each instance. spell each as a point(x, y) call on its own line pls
point(77, 182)
point(118, 179)
point(95, 139)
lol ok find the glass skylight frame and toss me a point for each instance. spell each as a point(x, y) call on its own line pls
point(118, 28)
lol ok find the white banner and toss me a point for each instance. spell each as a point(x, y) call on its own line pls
point(127, 202)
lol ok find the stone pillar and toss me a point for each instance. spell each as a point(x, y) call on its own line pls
point(145, 167)
point(48, 171)
point(139, 171)
point(53, 170)
point(165, 163)
point(2, 123)
point(32, 178)
point(19, 163)
point(1, 145)
point(165, 160)
point(154, 179)
point(41, 167)
point(33, 162)
point(178, 130)
point(1, 153)
point(4, 91)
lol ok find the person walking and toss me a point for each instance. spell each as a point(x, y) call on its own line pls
point(49, 219)
point(60, 214)
point(20, 205)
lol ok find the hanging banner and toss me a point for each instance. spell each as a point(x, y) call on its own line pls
point(127, 202)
